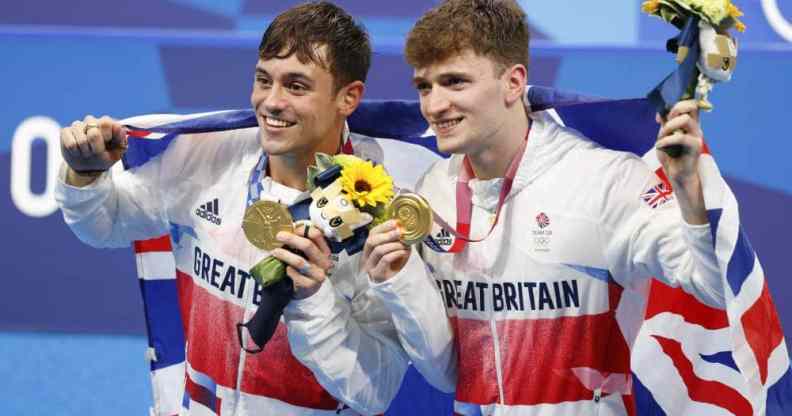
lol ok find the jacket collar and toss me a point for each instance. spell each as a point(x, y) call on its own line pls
point(548, 142)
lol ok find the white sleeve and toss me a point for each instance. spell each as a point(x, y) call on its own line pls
point(351, 346)
point(117, 208)
point(645, 241)
point(420, 318)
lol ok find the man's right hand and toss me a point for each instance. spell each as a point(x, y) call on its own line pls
point(384, 255)
point(90, 147)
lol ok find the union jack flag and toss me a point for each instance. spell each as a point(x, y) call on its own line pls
point(657, 195)
point(687, 358)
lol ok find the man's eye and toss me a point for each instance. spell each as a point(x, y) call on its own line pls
point(455, 82)
point(321, 202)
point(263, 81)
point(296, 86)
point(423, 88)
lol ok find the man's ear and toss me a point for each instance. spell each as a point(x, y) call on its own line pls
point(515, 80)
point(349, 96)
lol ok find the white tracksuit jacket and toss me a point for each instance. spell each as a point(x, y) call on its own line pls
point(344, 338)
point(545, 310)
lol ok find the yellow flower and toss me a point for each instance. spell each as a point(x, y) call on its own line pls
point(650, 6)
point(364, 183)
point(734, 11)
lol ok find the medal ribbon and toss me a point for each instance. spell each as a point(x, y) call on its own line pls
point(464, 203)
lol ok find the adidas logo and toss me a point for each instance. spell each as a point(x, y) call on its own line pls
point(209, 211)
point(443, 237)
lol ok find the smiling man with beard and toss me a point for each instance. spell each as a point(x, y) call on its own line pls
point(313, 61)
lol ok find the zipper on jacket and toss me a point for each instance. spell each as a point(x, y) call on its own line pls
point(597, 398)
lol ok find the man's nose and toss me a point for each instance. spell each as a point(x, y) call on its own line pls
point(276, 99)
point(435, 103)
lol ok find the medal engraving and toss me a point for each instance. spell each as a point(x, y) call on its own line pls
point(414, 216)
point(262, 222)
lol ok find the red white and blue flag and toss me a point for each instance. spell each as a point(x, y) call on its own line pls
point(732, 362)
point(687, 358)
point(658, 195)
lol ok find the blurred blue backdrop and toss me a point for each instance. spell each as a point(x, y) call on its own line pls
point(71, 325)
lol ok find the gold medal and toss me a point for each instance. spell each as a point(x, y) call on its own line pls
point(414, 216)
point(263, 220)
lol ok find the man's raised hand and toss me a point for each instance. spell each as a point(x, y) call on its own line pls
point(92, 146)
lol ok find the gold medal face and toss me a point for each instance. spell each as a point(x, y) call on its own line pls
point(414, 216)
point(263, 220)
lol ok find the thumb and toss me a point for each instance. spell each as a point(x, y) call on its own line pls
point(118, 142)
point(119, 137)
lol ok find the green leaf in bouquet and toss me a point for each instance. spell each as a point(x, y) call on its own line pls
point(681, 7)
point(268, 271)
point(324, 161)
point(380, 215)
point(673, 13)
point(313, 171)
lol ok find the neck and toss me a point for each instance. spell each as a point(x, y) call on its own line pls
point(494, 159)
point(291, 169)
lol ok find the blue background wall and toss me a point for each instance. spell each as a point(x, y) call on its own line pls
point(71, 325)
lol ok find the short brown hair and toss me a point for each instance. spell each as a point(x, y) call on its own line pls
point(496, 29)
point(301, 29)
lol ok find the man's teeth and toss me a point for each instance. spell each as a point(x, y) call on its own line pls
point(274, 122)
point(449, 123)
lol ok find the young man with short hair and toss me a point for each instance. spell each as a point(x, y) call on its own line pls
point(309, 78)
point(534, 305)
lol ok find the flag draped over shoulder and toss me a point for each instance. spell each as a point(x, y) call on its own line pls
point(687, 358)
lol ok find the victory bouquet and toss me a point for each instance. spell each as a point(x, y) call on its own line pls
point(349, 196)
point(705, 51)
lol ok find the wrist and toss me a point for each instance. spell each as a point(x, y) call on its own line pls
point(687, 189)
point(687, 182)
point(319, 304)
point(307, 292)
point(376, 279)
point(690, 197)
point(80, 178)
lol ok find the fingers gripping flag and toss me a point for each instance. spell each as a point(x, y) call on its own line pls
point(688, 358)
